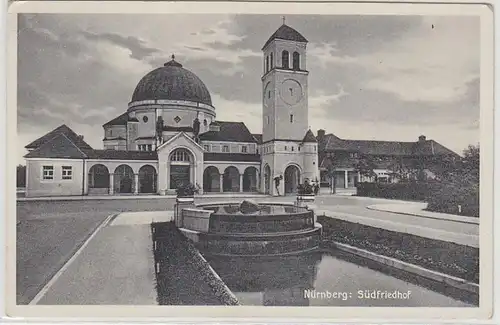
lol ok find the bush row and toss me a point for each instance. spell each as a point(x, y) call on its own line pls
point(455, 197)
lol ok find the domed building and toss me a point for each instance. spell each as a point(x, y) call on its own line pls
point(169, 136)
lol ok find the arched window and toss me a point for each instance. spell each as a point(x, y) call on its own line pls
point(180, 155)
point(272, 61)
point(267, 63)
point(296, 61)
point(285, 60)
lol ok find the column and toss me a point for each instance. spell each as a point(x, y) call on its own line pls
point(346, 179)
point(136, 183)
point(221, 182)
point(241, 182)
point(359, 177)
point(111, 184)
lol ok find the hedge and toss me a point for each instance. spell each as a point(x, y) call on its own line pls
point(445, 197)
point(414, 191)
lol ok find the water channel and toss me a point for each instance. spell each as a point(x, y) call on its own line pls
point(330, 279)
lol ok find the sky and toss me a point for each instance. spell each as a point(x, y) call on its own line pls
point(370, 77)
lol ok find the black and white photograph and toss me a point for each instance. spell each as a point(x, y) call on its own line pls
point(275, 157)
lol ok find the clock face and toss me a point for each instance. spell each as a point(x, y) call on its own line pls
point(268, 94)
point(291, 91)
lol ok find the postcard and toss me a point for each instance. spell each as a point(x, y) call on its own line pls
point(306, 161)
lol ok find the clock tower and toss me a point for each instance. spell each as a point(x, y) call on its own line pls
point(285, 113)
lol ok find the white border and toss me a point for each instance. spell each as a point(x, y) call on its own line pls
point(246, 313)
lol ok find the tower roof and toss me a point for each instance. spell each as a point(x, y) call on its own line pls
point(287, 33)
point(309, 137)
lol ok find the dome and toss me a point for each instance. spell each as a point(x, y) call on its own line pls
point(172, 82)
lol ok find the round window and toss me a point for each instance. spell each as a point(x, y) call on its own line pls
point(145, 119)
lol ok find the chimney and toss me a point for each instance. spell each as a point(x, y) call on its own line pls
point(321, 135)
point(421, 138)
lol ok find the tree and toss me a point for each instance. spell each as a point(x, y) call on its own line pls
point(470, 162)
point(365, 166)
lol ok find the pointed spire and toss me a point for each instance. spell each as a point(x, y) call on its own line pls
point(173, 62)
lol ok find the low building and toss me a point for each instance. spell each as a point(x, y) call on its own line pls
point(386, 161)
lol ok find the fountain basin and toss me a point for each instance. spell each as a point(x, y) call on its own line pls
point(272, 229)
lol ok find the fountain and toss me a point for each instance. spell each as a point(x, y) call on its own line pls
point(250, 229)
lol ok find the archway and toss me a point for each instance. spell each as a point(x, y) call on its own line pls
point(147, 179)
point(181, 163)
point(124, 179)
point(231, 180)
point(98, 177)
point(292, 179)
point(250, 179)
point(267, 179)
point(211, 179)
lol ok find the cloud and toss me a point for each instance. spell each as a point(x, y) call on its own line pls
point(137, 47)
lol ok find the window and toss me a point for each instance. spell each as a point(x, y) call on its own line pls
point(271, 61)
point(67, 172)
point(205, 122)
point(267, 64)
point(48, 172)
point(244, 149)
point(268, 94)
point(296, 61)
point(353, 155)
point(285, 64)
point(293, 148)
point(314, 148)
point(225, 149)
point(298, 148)
point(110, 132)
point(145, 119)
point(206, 147)
point(180, 155)
point(150, 147)
point(257, 150)
point(291, 118)
point(286, 148)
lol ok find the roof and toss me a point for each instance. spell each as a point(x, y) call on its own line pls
point(225, 156)
point(59, 146)
point(286, 33)
point(381, 148)
point(122, 155)
point(116, 138)
point(178, 128)
point(230, 132)
point(121, 120)
point(63, 129)
point(172, 82)
point(309, 137)
point(258, 138)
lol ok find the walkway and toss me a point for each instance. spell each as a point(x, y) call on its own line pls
point(119, 261)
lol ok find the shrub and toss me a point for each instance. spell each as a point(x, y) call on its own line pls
point(186, 190)
point(411, 191)
point(449, 196)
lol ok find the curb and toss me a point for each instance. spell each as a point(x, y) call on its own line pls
point(217, 277)
point(459, 219)
point(411, 268)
